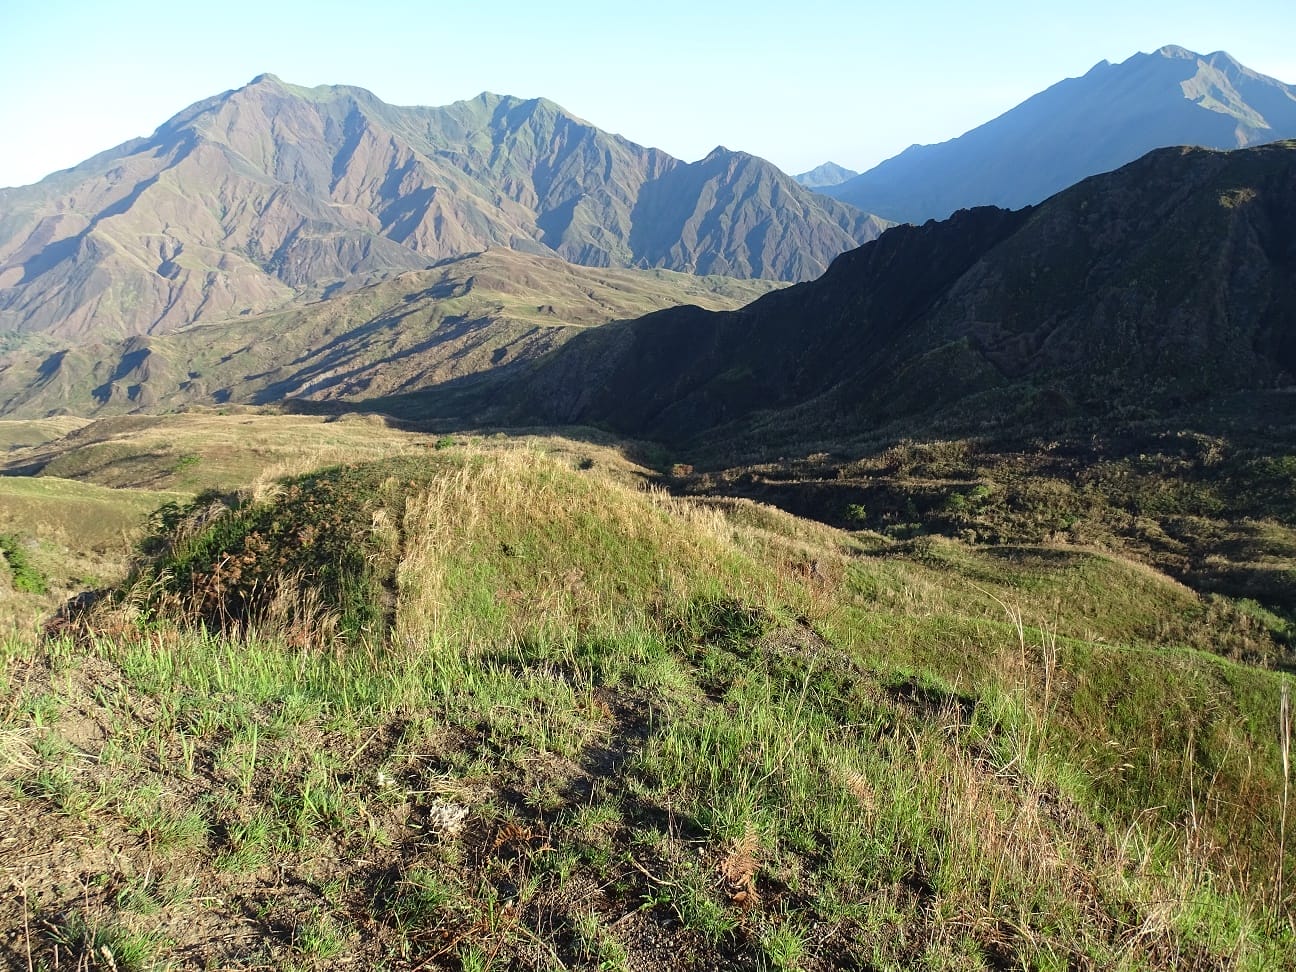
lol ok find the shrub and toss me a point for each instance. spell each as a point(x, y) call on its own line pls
point(26, 577)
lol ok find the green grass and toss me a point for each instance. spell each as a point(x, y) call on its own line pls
point(24, 577)
point(583, 718)
point(88, 945)
point(1214, 511)
point(59, 536)
point(22, 433)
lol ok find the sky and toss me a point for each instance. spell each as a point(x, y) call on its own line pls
point(797, 82)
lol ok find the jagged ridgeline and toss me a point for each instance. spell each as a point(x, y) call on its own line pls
point(1074, 129)
point(1166, 285)
point(252, 200)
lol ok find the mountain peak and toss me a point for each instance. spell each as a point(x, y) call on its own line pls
point(1081, 127)
point(827, 174)
point(1176, 53)
point(383, 189)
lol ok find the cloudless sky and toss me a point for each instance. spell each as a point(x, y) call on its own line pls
point(798, 82)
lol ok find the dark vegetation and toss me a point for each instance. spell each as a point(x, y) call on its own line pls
point(1160, 293)
point(24, 576)
point(1216, 512)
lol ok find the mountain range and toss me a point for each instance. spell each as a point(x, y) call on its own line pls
point(261, 197)
point(390, 249)
point(1168, 283)
point(1080, 127)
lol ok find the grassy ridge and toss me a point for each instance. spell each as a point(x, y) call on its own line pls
point(419, 328)
point(78, 520)
point(207, 449)
point(607, 728)
point(21, 433)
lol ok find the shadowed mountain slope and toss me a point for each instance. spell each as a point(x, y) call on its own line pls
point(258, 197)
point(1167, 283)
point(1080, 127)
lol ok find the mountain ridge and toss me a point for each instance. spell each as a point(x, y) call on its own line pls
point(249, 200)
point(1169, 282)
point(827, 174)
point(1111, 115)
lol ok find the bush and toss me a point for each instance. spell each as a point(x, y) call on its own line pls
point(26, 577)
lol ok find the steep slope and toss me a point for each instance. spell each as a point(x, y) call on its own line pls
point(1169, 282)
point(1077, 128)
point(734, 214)
point(418, 328)
point(247, 201)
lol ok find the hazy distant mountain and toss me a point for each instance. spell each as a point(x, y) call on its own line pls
point(1077, 128)
point(1169, 282)
point(258, 197)
point(828, 174)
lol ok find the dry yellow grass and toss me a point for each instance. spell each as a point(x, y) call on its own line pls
point(529, 542)
point(23, 433)
point(200, 450)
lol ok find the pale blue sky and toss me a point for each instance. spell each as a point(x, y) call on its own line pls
point(795, 82)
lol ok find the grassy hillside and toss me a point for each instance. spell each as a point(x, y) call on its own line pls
point(19, 434)
point(60, 537)
point(499, 705)
point(76, 524)
point(1213, 510)
point(207, 449)
point(419, 328)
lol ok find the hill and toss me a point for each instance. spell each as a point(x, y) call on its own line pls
point(1136, 331)
point(943, 617)
point(417, 328)
point(511, 707)
point(1077, 128)
point(260, 197)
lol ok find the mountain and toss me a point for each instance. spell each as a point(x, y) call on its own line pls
point(1077, 128)
point(256, 198)
point(1167, 283)
point(492, 310)
point(822, 176)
